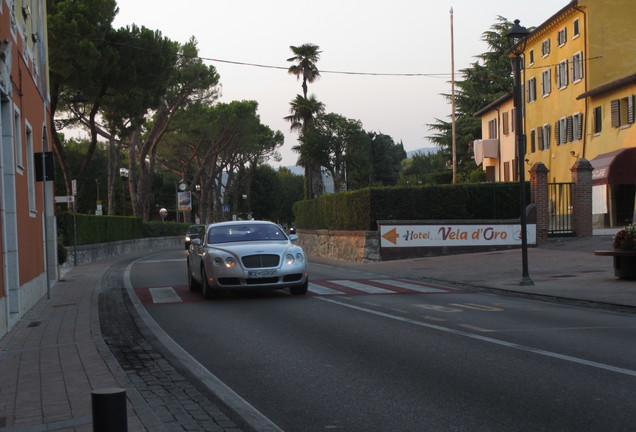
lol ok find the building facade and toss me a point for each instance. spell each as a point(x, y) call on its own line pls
point(578, 89)
point(27, 224)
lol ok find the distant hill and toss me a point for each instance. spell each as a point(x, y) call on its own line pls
point(422, 151)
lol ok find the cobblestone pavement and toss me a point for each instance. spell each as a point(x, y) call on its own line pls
point(174, 403)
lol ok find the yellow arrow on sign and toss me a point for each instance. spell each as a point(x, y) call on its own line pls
point(391, 236)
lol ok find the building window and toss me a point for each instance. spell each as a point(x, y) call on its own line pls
point(30, 169)
point(562, 74)
point(543, 137)
point(533, 140)
point(598, 120)
point(531, 54)
point(505, 123)
point(577, 127)
point(562, 36)
point(577, 67)
point(17, 140)
point(513, 121)
point(492, 129)
point(577, 30)
point(545, 48)
point(622, 111)
point(561, 131)
point(531, 89)
point(546, 82)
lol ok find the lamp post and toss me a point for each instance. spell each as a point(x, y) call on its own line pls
point(123, 173)
point(517, 37)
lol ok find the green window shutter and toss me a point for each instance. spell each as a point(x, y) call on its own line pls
point(630, 108)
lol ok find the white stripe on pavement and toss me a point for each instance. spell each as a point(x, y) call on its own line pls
point(414, 287)
point(361, 287)
point(318, 289)
point(164, 295)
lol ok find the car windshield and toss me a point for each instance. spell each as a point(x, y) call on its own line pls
point(195, 229)
point(245, 232)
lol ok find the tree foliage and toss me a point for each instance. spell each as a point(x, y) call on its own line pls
point(486, 80)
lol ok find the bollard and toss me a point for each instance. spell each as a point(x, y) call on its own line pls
point(109, 410)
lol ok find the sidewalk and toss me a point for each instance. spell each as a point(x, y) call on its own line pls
point(52, 360)
point(563, 268)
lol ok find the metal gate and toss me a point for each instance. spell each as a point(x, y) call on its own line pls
point(560, 209)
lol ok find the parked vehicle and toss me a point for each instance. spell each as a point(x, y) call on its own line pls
point(246, 255)
point(194, 231)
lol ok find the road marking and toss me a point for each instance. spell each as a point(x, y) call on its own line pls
point(164, 295)
point(507, 344)
point(321, 287)
point(322, 290)
point(361, 286)
point(411, 286)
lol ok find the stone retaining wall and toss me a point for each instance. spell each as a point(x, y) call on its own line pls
point(94, 252)
point(353, 246)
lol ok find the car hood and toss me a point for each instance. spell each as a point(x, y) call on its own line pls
point(256, 248)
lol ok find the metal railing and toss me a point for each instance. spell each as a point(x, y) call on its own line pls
point(560, 209)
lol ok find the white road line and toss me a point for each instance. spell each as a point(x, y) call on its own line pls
point(512, 345)
point(411, 286)
point(164, 295)
point(362, 287)
point(153, 261)
point(322, 290)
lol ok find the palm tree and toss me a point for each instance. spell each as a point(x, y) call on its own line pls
point(302, 113)
point(306, 56)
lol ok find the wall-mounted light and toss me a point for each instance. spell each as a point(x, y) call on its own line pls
point(26, 12)
point(574, 154)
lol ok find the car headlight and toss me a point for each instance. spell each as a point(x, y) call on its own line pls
point(218, 261)
point(289, 259)
point(230, 262)
point(300, 257)
point(187, 238)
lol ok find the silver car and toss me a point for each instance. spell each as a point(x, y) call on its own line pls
point(246, 255)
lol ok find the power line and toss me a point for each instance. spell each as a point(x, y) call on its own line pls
point(264, 66)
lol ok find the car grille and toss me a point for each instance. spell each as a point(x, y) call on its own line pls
point(259, 261)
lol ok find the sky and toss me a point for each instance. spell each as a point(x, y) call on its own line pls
point(395, 38)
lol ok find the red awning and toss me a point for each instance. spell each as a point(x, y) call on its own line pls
point(616, 167)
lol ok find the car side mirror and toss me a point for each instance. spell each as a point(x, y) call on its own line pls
point(293, 238)
point(196, 242)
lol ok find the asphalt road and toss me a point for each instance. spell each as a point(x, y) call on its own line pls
point(364, 352)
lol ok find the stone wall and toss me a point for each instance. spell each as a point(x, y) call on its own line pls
point(93, 252)
point(352, 246)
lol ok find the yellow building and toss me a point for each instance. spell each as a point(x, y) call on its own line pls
point(578, 89)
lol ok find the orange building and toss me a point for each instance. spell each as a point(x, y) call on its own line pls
point(579, 81)
point(27, 224)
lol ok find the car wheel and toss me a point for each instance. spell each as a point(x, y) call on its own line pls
point(208, 293)
point(192, 282)
point(301, 289)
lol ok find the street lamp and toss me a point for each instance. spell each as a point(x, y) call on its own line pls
point(123, 173)
point(517, 36)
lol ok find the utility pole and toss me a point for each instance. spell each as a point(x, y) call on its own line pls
point(453, 136)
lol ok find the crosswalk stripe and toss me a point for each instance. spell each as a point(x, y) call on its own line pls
point(410, 286)
point(323, 290)
point(164, 295)
point(361, 286)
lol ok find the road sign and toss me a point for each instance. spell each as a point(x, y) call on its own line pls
point(226, 209)
point(64, 199)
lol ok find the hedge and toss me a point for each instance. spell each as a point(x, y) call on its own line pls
point(92, 229)
point(361, 209)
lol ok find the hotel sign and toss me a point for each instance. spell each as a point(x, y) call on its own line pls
point(400, 236)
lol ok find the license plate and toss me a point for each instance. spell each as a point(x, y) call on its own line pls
point(262, 273)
